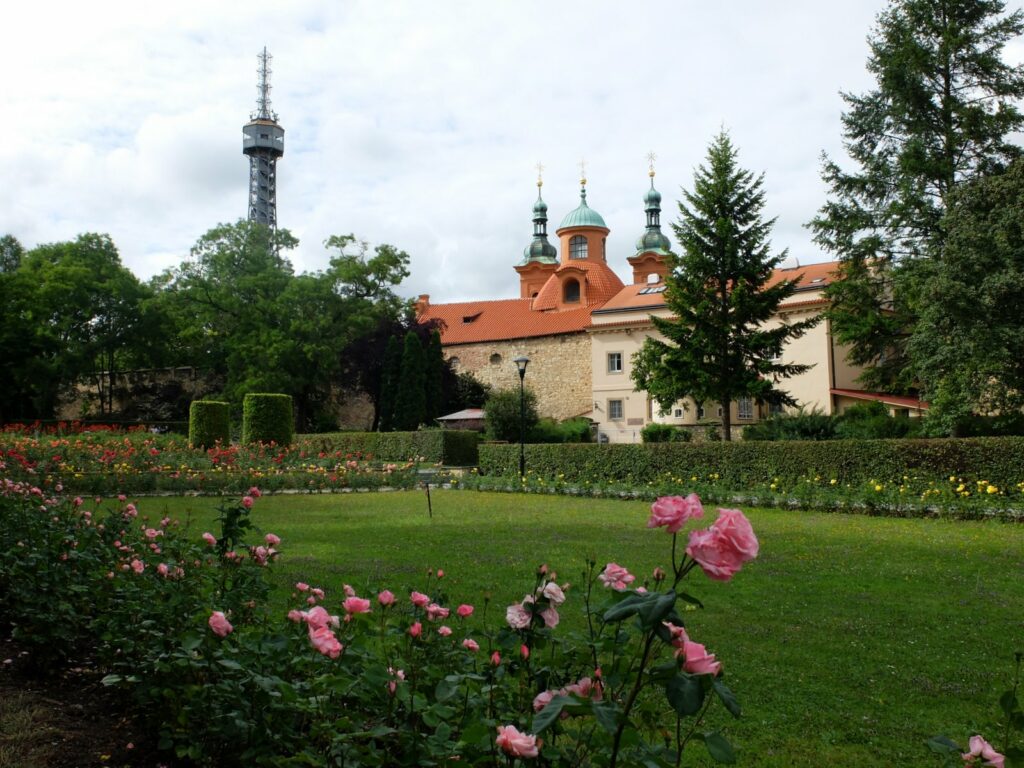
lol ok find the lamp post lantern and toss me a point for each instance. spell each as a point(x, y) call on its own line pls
point(521, 363)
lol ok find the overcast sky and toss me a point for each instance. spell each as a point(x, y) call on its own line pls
point(414, 123)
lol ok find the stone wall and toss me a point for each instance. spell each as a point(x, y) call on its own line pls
point(558, 374)
point(148, 395)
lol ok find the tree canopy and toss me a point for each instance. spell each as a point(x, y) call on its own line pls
point(718, 345)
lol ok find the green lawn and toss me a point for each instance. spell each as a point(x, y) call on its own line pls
point(849, 641)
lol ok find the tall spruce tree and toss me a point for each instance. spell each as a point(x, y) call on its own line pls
point(434, 377)
point(410, 398)
point(389, 378)
point(717, 347)
point(939, 117)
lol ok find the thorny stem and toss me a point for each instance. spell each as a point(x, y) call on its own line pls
point(693, 728)
point(632, 698)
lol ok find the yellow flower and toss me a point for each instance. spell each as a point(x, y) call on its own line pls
point(991, 489)
point(832, 481)
point(878, 488)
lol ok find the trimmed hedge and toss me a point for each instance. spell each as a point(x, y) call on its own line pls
point(267, 418)
point(452, 447)
point(208, 422)
point(999, 460)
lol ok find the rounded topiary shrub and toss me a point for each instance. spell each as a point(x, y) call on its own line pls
point(208, 422)
point(267, 418)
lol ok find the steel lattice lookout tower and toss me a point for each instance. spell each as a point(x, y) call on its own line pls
point(263, 142)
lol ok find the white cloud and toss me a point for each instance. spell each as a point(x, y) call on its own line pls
point(413, 123)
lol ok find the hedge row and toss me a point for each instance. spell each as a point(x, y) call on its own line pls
point(999, 460)
point(452, 447)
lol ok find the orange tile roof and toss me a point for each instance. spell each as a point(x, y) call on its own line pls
point(501, 320)
point(602, 284)
point(811, 277)
point(882, 397)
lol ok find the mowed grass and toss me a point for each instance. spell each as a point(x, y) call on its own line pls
point(849, 641)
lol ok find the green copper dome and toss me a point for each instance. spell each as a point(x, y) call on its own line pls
point(583, 216)
point(652, 198)
point(653, 241)
point(540, 250)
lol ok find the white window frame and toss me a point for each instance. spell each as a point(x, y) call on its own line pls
point(745, 408)
point(578, 247)
point(619, 405)
point(616, 357)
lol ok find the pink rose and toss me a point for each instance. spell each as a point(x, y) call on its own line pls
point(272, 539)
point(674, 512)
point(210, 539)
point(698, 661)
point(464, 611)
point(349, 590)
point(302, 586)
point(981, 748)
point(120, 497)
point(444, 631)
point(138, 566)
point(318, 617)
point(722, 549)
point(550, 616)
point(294, 615)
point(317, 592)
point(162, 569)
point(399, 676)
point(440, 573)
point(616, 577)
point(496, 659)
point(325, 641)
point(419, 599)
point(356, 605)
point(219, 624)
point(247, 502)
point(515, 743)
point(416, 630)
point(542, 699)
point(435, 612)
point(517, 616)
point(386, 598)
point(554, 593)
point(255, 492)
point(471, 645)
point(524, 651)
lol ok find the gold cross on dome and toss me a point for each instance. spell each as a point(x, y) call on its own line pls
point(540, 174)
point(651, 157)
point(583, 171)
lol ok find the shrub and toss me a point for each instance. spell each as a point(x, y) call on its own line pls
point(453, 447)
point(548, 430)
point(663, 433)
point(803, 425)
point(267, 418)
point(999, 460)
point(209, 421)
point(871, 421)
point(503, 414)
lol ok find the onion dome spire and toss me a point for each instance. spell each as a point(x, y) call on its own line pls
point(540, 250)
point(653, 240)
point(583, 215)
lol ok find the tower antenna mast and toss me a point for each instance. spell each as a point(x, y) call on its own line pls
point(263, 142)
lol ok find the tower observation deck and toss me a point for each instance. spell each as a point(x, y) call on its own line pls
point(263, 142)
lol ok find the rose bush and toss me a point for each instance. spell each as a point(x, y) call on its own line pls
point(369, 677)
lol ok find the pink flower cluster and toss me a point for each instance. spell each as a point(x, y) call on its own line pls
point(722, 549)
point(673, 512)
point(616, 577)
point(584, 688)
point(319, 623)
point(544, 603)
point(696, 659)
point(516, 744)
point(219, 624)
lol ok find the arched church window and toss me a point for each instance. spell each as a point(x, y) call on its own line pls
point(495, 359)
point(571, 292)
point(578, 247)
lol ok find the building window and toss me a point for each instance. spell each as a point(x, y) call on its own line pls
point(577, 247)
point(700, 411)
point(454, 361)
point(719, 411)
point(615, 410)
point(678, 413)
point(745, 408)
point(775, 409)
point(614, 362)
point(495, 359)
point(572, 291)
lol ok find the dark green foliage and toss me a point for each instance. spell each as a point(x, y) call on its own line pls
point(390, 375)
point(804, 425)
point(434, 375)
point(451, 447)
point(969, 343)
point(664, 433)
point(741, 465)
point(209, 422)
point(867, 421)
point(502, 411)
point(941, 114)
point(549, 430)
point(410, 396)
point(267, 418)
point(462, 390)
point(716, 346)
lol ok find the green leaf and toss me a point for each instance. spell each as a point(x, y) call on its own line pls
point(607, 715)
point(687, 598)
point(685, 694)
point(656, 608)
point(624, 609)
point(543, 719)
point(719, 748)
point(727, 697)
point(190, 641)
point(446, 689)
point(230, 664)
point(942, 745)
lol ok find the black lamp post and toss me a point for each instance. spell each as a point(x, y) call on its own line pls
point(521, 363)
